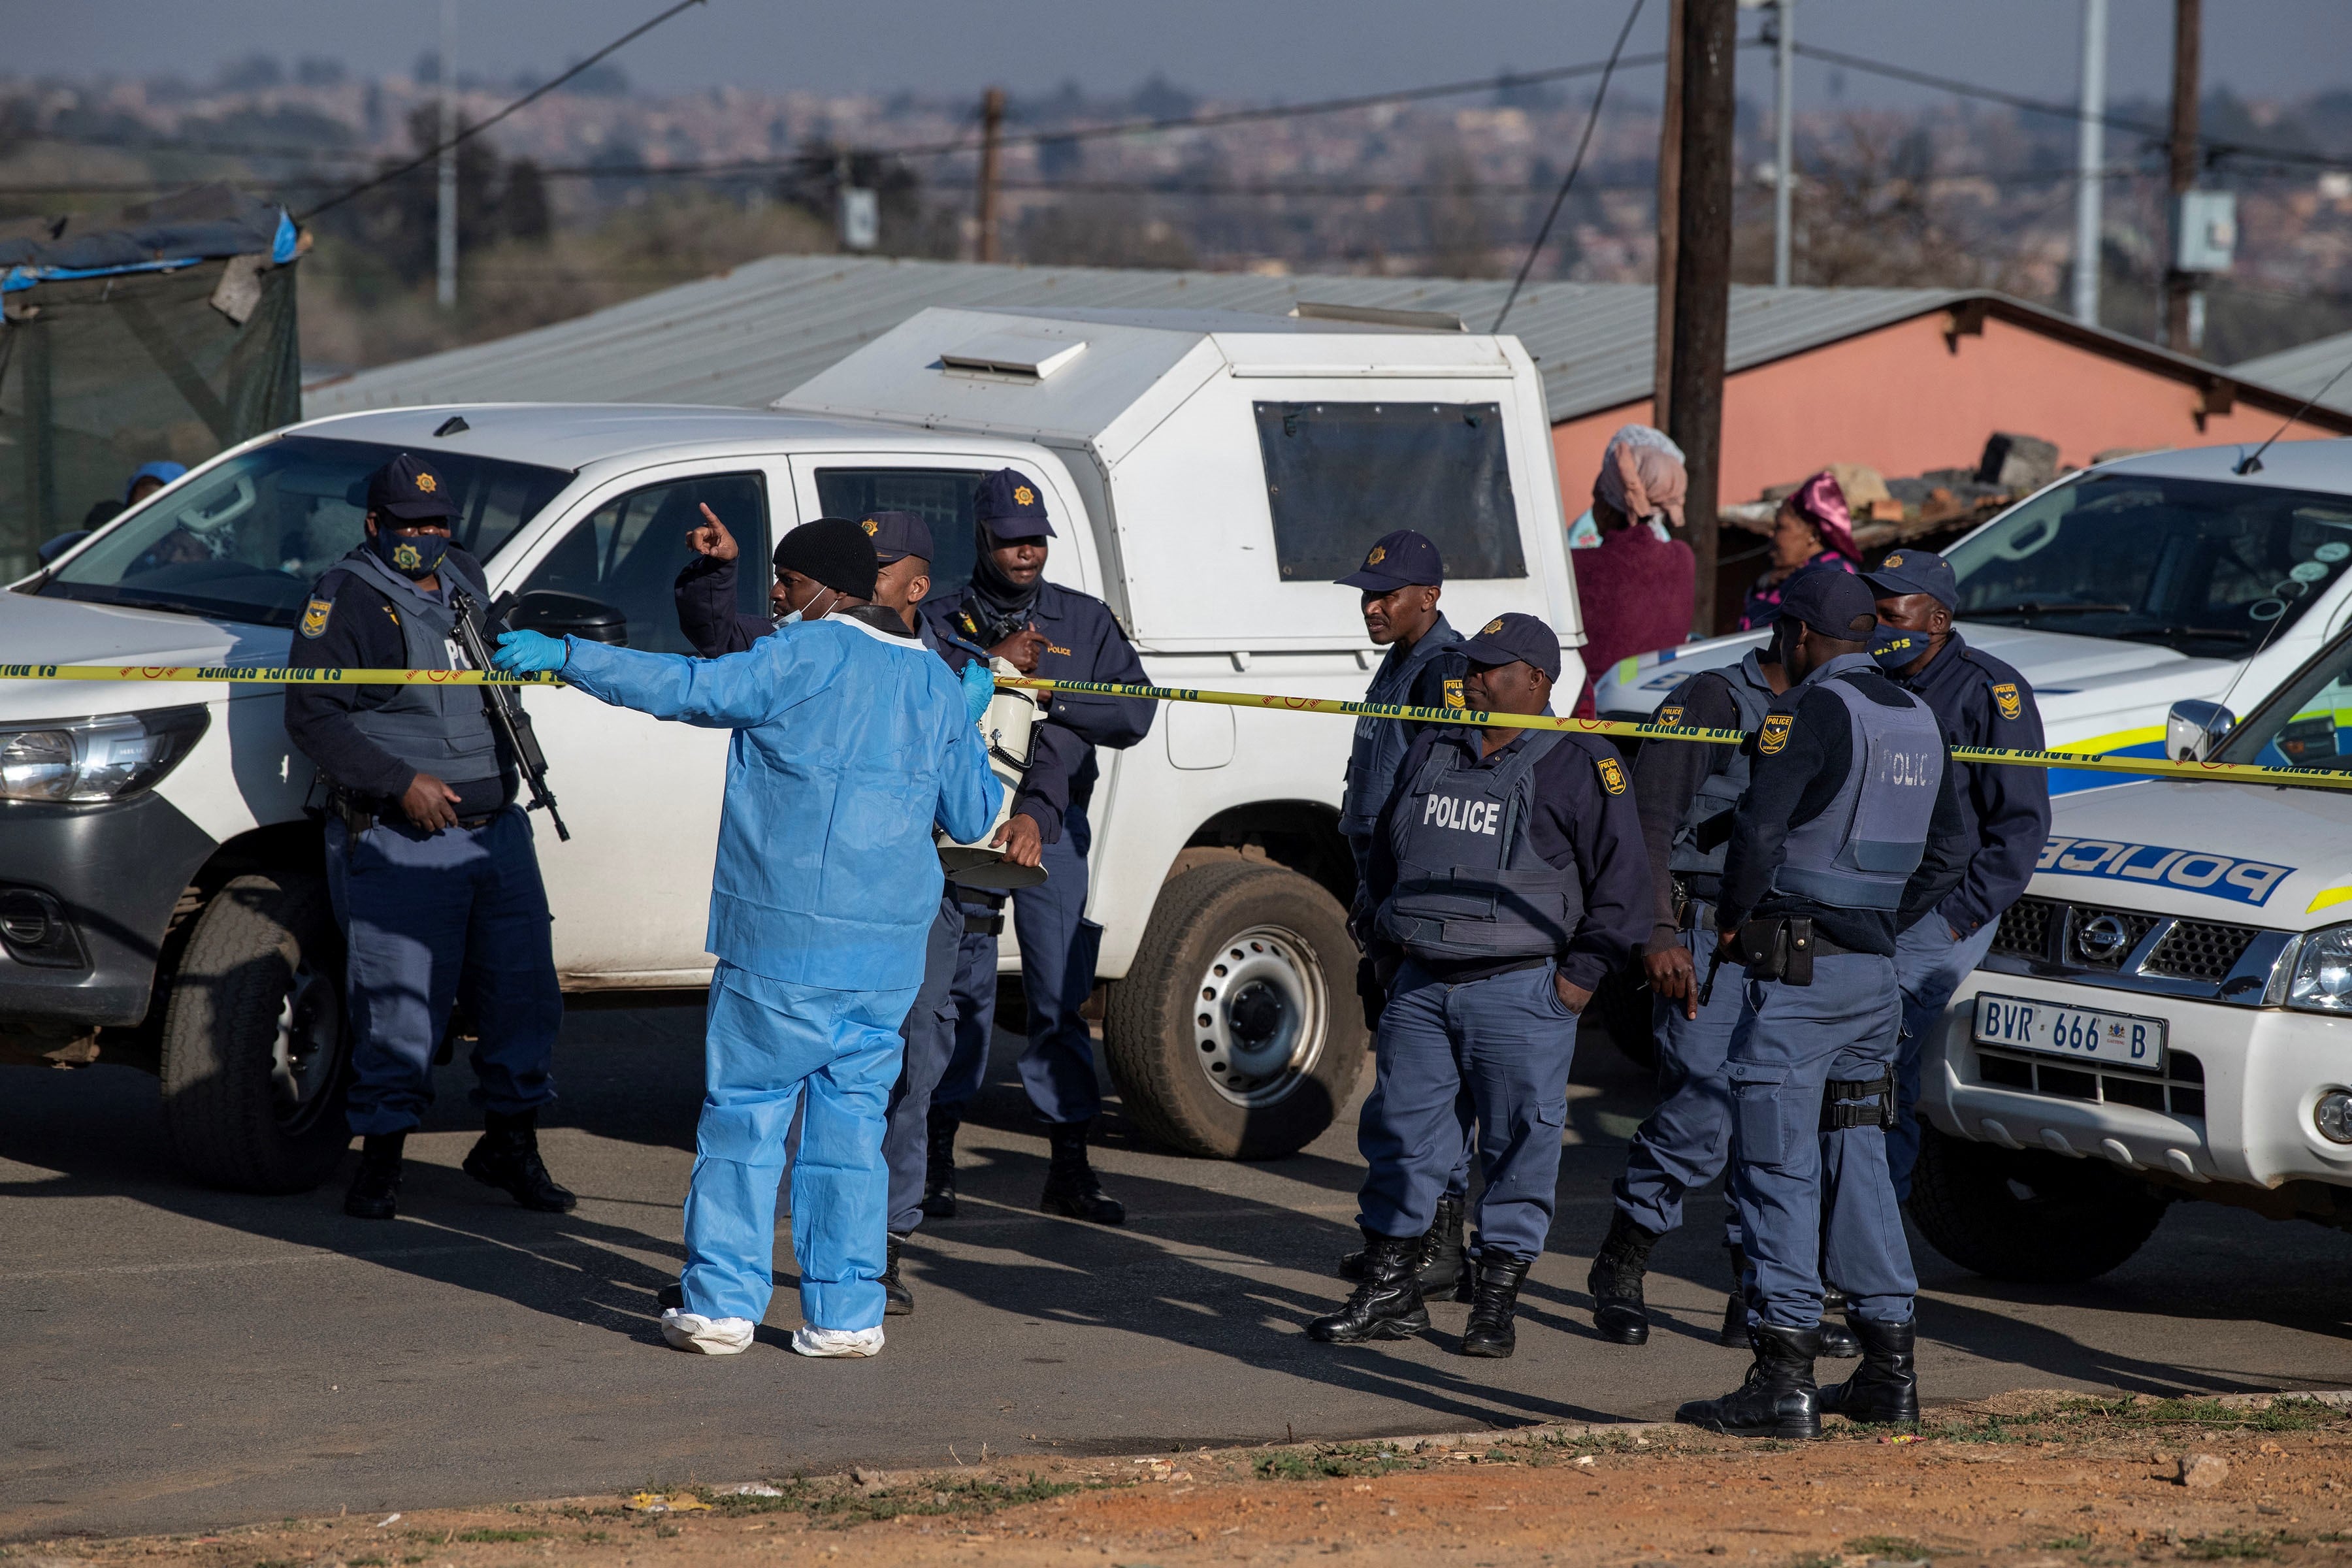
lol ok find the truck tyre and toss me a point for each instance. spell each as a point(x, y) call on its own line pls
point(2024, 1214)
point(1622, 1004)
point(255, 1051)
point(1237, 1033)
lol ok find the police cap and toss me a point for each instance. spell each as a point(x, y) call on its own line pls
point(1011, 506)
point(897, 535)
point(407, 488)
point(1516, 636)
point(1833, 603)
point(1916, 572)
point(1401, 559)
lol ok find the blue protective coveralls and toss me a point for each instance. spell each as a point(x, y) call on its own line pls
point(427, 918)
point(1850, 821)
point(2005, 819)
point(1680, 786)
point(1491, 874)
point(851, 742)
point(1083, 642)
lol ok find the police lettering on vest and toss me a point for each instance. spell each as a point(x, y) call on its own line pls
point(1468, 883)
point(1861, 850)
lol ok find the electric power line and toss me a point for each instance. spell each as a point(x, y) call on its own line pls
point(1583, 145)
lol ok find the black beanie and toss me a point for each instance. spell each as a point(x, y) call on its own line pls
point(834, 552)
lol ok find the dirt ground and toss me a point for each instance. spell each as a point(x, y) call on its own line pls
point(2031, 1480)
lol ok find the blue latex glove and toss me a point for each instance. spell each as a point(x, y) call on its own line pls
point(527, 653)
point(979, 689)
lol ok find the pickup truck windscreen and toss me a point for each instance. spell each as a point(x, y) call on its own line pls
point(245, 541)
point(1339, 475)
point(2211, 570)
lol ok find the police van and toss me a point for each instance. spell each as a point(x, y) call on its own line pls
point(2166, 1014)
point(161, 899)
point(2123, 588)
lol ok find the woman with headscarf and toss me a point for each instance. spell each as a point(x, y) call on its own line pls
point(1636, 585)
point(1813, 529)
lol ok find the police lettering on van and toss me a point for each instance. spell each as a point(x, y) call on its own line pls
point(2219, 876)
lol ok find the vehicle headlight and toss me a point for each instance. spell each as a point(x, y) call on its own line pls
point(2321, 981)
point(105, 758)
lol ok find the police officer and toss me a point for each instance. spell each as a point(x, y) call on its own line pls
point(1685, 792)
point(705, 593)
point(1508, 877)
point(1043, 629)
point(1848, 830)
point(1402, 579)
point(2005, 812)
point(429, 861)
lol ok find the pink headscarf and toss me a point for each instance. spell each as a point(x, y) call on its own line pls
point(1642, 475)
point(1821, 503)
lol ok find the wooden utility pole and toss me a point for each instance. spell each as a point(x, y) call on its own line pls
point(1702, 306)
point(991, 125)
point(1670, 184)
point(2188, 34)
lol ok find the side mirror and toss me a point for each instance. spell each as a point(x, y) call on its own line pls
point(60, 544)
point(570, 614)
point(2194, 728)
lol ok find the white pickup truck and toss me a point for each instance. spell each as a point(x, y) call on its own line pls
point(2125, 587)
point(161, 899)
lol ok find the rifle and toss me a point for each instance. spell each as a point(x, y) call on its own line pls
point(506, 712)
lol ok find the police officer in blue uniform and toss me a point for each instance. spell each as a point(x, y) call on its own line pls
point(2005, 812)
point(1685, 793)
point(705, 596)
point(1012, 612)
point(429, 861)
point(1849, 830)
point(1508, 878)
point(1402, 579)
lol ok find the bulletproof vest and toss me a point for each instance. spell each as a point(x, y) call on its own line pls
point(1865, 845)
point(1468, 884)
point(1721, 789)
point(1381, 743)
point(444, 730)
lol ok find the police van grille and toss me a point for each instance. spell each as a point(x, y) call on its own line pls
point(2199, 950)
point(2135, 927)
point(2025, 928)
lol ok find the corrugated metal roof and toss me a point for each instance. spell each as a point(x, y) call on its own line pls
point(748, 337)
point(2305, 369)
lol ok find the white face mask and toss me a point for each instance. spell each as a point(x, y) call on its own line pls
point(796, 616)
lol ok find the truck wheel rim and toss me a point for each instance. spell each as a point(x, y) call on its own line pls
point(1259, 1015)
point(303, 1056)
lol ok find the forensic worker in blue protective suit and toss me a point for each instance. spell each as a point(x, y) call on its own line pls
point(429, 861)
point(1400, 579)
point(1685, 793)
point(851, 741)
point(1509, 880)
point(1848, 831)
point(705, 596)
point(1043, 629)
point(2004, 812)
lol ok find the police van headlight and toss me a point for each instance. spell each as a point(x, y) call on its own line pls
point(2321, 981)
point(77, 760)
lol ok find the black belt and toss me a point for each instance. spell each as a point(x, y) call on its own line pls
point(1838, 1118)
point(983, 924)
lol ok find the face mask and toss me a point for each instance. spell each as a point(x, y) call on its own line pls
point(1894, 647)
point(797, 616)
point(413, 555)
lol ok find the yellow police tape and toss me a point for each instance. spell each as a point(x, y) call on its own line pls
point(2136, 767)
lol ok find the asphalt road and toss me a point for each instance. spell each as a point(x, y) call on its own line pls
point(177, 1359)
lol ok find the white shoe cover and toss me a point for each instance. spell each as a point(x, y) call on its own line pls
point(837, 1342)
point(706, 1336)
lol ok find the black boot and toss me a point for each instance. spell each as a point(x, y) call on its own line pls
point(671, 1295)
point(506, 1156)
point(1615, 1282)
point(1387, 1305)
point(1071, 1190)
point(1884, 1389)
point(375, 1188)
point(1441, 1261)
point(897, 1300)
point(1489, 1333)
point(1837, 1340)
point(1777, 1399)
point(939, 1175)
point(1735, 1308)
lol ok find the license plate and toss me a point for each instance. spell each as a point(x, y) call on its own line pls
point(2111, 1039)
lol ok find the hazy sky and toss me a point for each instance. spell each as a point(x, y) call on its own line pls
point(1245, 48)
